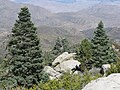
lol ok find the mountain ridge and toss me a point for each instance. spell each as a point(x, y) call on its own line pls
point(70, 25)
point(66, 5)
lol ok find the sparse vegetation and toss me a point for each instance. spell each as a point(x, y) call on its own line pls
point(115, 68)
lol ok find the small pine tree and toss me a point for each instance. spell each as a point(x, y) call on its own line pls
point(84, 54)
point(103, 52)
point(65, 45)
point(48, 58)
point(26, 64)
point(58, 47)
point(62, 45)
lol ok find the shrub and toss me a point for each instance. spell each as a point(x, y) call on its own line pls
point(66, 82)
point(115, 68)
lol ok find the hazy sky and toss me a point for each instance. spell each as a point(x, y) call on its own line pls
point(65, 5)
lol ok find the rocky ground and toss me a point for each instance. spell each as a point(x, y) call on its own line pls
point(112, 82)
point(65, 63)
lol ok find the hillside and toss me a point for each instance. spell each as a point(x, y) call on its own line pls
point(88, 18)
point(113, 33)
point(57, 6)
point(67, 24)
point(81, 20)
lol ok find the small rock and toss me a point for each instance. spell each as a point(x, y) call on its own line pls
point(95, 71)
point(105, 68)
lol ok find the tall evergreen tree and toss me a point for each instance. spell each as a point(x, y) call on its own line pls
point(103, 52)
point(84, 54)
point(26, 62)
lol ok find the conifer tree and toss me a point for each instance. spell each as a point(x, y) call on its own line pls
point(26, 62)
point(65, 45)
point(58, 47)
point(84, 54)
point(48, 58)
point(61, 45)
point(103, 52)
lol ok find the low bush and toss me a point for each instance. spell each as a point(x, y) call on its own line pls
point(67, 82)
point(115, 68)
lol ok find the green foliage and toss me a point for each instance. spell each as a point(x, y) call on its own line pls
point(4, 72)
point(47, 58)
point(3, 67)
point(62, 45)
point(58, 47)
point(6, 83)
point(65, 45)
point(115, 68)
point(67, 82)
point(103, 52)
point(73, 48)
point(26, 63)
point(84, 53)
point(116, 46)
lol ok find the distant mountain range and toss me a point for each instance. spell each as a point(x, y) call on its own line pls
point(72, 25)
point(66, 5)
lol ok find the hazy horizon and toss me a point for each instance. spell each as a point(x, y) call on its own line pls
point(66, 5)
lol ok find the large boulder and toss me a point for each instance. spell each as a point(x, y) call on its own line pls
point(67, 66)
point(112, 82)
point(51, 72)
point(63, 57)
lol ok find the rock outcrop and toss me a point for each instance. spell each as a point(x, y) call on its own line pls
point(63, 57)
point(112, 82)
point(62, 64)
point(67, 66)
point(51, 72)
